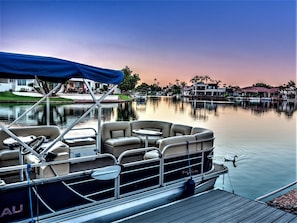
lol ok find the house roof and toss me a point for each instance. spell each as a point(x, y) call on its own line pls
point(259, 90)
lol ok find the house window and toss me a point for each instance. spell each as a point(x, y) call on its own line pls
point(22, 82)
point(3, 80)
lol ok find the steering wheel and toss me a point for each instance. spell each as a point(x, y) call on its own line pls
point(34, 144)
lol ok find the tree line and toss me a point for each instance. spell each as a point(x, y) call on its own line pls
point(130, 83)
point(131, 80)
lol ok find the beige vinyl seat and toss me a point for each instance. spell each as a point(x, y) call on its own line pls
point(117, 138)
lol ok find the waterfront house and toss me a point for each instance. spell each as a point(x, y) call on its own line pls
point(205, 90)
point(5, 84)
point(16, 85)
point(260, 93)
point(74, 85)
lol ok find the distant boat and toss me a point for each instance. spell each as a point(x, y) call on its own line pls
point(254, 99)
point(265, 99)
point(140, 97)
point(239, 98)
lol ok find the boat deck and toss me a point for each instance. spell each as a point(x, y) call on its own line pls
point(214, 206)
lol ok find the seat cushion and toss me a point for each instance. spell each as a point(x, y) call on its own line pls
point(177, 129)
point(80, 142)
point(122, 141)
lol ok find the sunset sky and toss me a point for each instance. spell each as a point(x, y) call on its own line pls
point(240, 42)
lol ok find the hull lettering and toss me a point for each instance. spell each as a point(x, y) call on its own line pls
point(11, 211)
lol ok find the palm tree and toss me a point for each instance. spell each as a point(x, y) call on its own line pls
point(206, 78)
point(183, 84)
point(217, 82)
point(291, 84)
point(196, 79)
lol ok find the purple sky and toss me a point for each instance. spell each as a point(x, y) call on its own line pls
point(236, 41)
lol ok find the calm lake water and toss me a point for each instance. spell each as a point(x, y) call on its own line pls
point(263, 136)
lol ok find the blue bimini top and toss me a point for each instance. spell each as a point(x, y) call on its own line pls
point(21, 66)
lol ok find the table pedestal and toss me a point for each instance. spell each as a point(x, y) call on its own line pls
point(146, 133)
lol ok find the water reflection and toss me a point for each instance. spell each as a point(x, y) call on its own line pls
point(201, 109)
point(126, 112)
point(56, 115)
point(154, 102)
point(61, 115)
point(281, 107)
point(141, 104)
point(154, 107)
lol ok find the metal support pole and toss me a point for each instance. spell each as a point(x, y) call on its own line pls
point(35, 105)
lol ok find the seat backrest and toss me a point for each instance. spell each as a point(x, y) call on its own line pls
point(178, 145)
point(177, 129)
point(160, 126)
point(204, 134)
point(198, 130)
point(115, 129)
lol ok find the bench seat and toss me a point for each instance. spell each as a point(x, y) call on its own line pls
point(118, 137)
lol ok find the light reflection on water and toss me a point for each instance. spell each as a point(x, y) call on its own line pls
point(263, 136)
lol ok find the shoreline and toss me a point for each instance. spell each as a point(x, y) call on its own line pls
point(76, 98)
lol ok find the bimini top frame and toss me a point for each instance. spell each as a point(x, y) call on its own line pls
point(21, 66)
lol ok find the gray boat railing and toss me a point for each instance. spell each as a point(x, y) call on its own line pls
point(149, 173)
point(165, 174)
point(201, 149)
point(126, 165)
point(51, 164)
point(279, 190)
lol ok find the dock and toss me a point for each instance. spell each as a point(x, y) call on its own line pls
point(213, 206)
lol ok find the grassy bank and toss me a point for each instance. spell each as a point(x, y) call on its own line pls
point(9, 97)
point(124, 97)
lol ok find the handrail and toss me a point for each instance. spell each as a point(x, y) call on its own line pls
point(71, 160)
point(275, 191)
point(163, 171)
point(135, 151)
point(200, 141)
point(131, 152)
